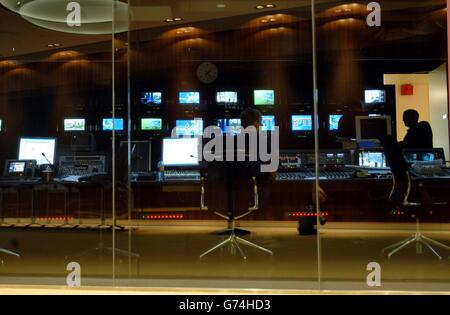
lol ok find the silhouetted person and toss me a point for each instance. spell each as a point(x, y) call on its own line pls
point(419, 135)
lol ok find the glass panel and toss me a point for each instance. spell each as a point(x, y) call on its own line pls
point(382, 81)
point(56, 189)
point(194, 64)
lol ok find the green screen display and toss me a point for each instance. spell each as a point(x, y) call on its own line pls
point(151, 123)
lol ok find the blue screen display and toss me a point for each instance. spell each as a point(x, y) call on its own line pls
point(185, 127)
point(268, 123)
point(301, 123)
point(151, 98)
point(230, 125)
point(108, 124)
point(190, 98)
point(333, 122)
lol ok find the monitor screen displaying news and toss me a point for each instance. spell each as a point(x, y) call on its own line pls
point(151, 124)
point(268, 122)
point(264, 97)
point(39, 149)
point(189, 127)
point(151, 98)
point(74, 124)
point(372, 159)
point(108, 124)
point(375, 96)
point(333, 122)
point(192, 98)
point(180, 151)
point(301, 123)
point(226, 98)
point(230, 125)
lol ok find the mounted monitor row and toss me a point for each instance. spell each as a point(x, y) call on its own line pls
point(260, 98)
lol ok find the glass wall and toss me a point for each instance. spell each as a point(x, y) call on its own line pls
point(224, 144)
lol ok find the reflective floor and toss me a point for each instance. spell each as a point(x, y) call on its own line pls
point(168, 255)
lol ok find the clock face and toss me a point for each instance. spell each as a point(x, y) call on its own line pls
point(207, 72)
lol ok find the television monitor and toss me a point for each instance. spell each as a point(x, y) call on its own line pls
point(372, 159)
point(230, 125)
point(226, 98)
point(189, 98)
point(264, 97)
point(268, 122)
point(333, 122)
point(151, 98)
point(424, 155)
point(301, 123)
point(189, 127)
point(373, 128)
point(374, 96)
point(180, 152)
point(74, 124)
point(109, 124)
point(151, 124)
point(39, 149)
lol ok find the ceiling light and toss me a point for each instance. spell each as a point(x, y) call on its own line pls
point(269, 6)
point(264, 21)
point(260, 7)
point(273, 20)
point(220, 6)
point(96, 18)
point(177, 19)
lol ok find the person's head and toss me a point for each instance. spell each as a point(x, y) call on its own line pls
point(251, 117)
point(410, 117)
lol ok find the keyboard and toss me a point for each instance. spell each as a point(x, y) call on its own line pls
point(182, 175)
point(19, 180)
point(311, 175)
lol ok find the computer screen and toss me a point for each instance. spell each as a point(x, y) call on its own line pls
point(333, 122)
point(264, 97)
point(36, 148)
point(372, 159)
point(16, 167)
point(229, 125)
point(151, 124)
point(74, 124)
point(373, 127)
point(192, 98)
point(226, 98)
point(424, 155)
point(180, 152)
point(189, 127)
point(108, 124)
point(374, 96)
point(151, 98)
point(268, 123)
point(301, 123)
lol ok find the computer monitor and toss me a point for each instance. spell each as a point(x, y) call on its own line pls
point(189, 127)
point(74, 124)
point(373, 128)
point(301, 123)
point(189, 98)
point(264, 97)
point(372, 159)
point(180, 152)
point(226, 98)
point(151, 124)
point(374, 96)
point(424, 155)
point(333, 122)
point(229, 125)
point(109, 124)
point(151, 98)
point(268, 122)
point(40, 149)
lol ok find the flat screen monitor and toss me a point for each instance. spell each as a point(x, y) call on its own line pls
point(74, 124)
point(264, 97)
point(189, 98)
point(268, 122)
point(39, 149)
point(372, 159)
point(301, 123)
point(374, 96)
point(189, 127)
point(151, 98)
point(424, 155)
point(109, 124)
point(180, 152)
point(151, 124)
point(226, 98)
point(230, 125)
point(333, 122)
point(374, 128)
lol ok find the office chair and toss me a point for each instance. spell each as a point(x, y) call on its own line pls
point(400, 196)
point(229, 186)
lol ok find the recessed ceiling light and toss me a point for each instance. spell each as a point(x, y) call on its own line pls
point(220, 6)
point(178, 19)
point(273, 20)
point(264, 21)
point(259, 7)
point(268, 6)
point(265, 6)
